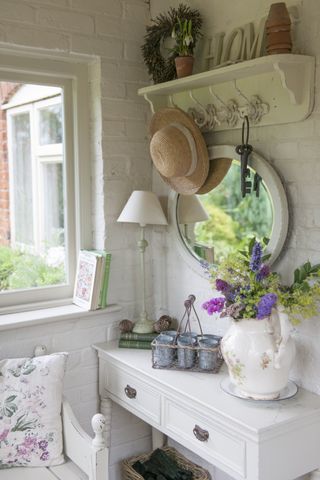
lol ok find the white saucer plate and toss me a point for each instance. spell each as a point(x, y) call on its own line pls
point(288, 392)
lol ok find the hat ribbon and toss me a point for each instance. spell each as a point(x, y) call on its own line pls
point(192, 146)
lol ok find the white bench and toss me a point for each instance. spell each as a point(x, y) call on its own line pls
point(86, 458)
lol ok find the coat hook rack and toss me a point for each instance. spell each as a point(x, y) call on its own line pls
point(227, 94)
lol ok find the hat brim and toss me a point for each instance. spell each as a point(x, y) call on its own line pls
point(191, 184)
point(218, 169)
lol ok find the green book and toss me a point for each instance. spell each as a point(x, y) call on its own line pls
point(105, 276)
point(105, 280)
point(134, 344)
point(142, 337)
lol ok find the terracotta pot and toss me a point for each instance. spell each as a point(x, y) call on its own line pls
point(278, 29)
point(184, 66)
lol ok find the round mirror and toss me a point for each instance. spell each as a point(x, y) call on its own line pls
point(209, 227)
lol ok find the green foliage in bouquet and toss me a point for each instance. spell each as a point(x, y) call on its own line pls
point(301, 299)
point(251, 290)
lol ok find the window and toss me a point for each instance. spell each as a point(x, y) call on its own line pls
point(43, 180)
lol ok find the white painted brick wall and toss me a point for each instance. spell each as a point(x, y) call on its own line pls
point(294, 151)
point(112, 30)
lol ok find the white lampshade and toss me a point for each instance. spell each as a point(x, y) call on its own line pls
point(191, 210)
point(143, 208)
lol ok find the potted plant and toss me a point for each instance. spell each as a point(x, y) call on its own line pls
point(257, 348)
point(185, 37)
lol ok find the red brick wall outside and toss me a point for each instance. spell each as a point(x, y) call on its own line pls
point(7, 89)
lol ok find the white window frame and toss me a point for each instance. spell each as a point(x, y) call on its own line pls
point(71, 74)
point(39, 155)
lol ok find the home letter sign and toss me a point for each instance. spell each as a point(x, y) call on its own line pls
point(240, 44)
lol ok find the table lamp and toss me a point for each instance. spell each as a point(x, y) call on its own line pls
point(143, 208)
point(190, 211)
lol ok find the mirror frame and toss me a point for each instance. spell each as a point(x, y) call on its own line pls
point(278, 199)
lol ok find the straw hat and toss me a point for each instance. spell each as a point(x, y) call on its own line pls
point(178, 150)
point(218, 169)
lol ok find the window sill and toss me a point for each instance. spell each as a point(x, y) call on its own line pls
point(49, 315)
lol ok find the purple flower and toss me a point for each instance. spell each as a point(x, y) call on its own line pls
point(22, 450)
point(263, 272)
point(43, 444)
point(29, 442)
point(265, 305)
point(256, 257)
point(4, 434)
point(222, 286)
point(215, 305)
point(44, 456)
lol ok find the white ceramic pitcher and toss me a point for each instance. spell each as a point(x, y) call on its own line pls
point(259, 355)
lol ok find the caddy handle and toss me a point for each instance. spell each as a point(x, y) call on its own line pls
point(200, 434)
point(130, 392)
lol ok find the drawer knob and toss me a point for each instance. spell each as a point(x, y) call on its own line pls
point(200, 434)
point(130, 392)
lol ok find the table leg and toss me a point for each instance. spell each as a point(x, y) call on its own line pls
point(159, 439)
point(105, 409)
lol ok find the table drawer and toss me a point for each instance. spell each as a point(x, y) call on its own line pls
point(210, 441)
point(142, 399)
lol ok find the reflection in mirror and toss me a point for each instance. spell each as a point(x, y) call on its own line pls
point(221, 221)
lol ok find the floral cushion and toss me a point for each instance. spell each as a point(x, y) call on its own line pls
point(30, 411)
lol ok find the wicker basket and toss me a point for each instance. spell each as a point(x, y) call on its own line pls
point(199, 473)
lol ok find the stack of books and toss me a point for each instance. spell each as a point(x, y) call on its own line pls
point(137, 340)
point(92, 278)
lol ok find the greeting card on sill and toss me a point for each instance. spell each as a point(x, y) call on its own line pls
point(86, 279)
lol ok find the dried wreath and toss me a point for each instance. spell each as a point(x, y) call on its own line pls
point(163, 69)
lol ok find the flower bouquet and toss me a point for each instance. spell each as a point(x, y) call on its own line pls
point(258, 348)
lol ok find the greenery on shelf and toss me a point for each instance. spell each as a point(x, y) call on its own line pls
point(20, 270)
point(182, 33)
point(161, 68)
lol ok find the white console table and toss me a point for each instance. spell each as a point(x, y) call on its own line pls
point(277, 440)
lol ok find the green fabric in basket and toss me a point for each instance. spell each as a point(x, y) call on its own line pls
point(161, 466)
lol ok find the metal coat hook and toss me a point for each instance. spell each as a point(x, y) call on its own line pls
point(202, 117)
point(172, 104)
point(194, 99)
point(215, 96)
point(241, 94)
point(244, 150)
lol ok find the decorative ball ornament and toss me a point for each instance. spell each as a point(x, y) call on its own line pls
point(40, 350)
point(98, 424)
point(162, 324)
point(163, 69)
point(126, 326)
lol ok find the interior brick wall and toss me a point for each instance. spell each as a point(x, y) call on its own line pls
point(7, 89)
point(111, 31)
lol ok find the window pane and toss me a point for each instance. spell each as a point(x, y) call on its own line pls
point(50, 125)
point(53, 212)
point(32, 251)
point(22, 179)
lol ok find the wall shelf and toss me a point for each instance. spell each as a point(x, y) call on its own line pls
point(271, 90)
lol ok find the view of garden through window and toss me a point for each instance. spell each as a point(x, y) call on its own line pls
point(32, 218)
point(232, 220)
